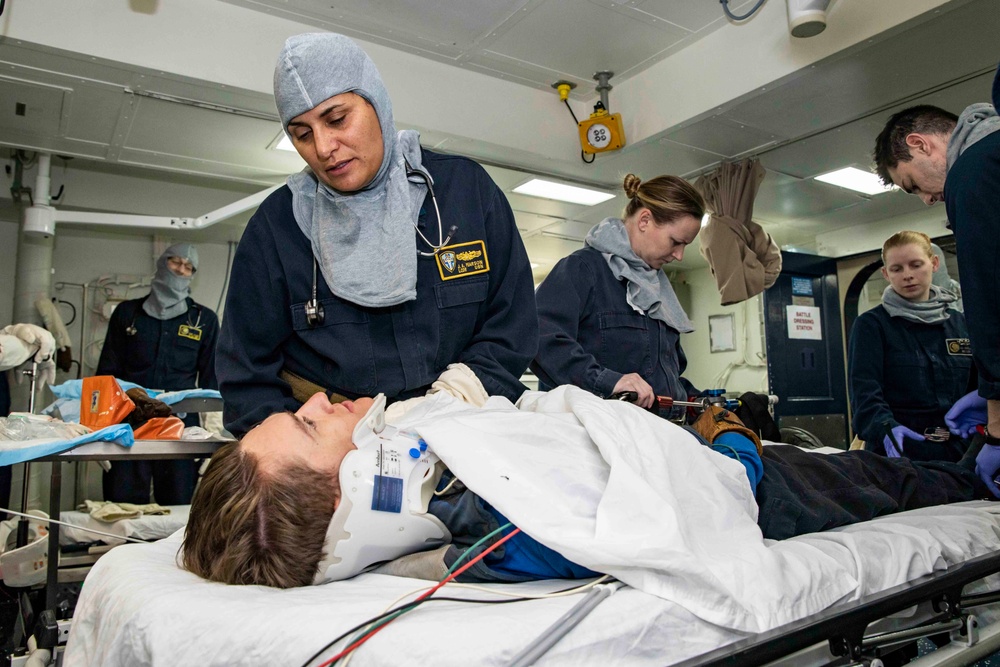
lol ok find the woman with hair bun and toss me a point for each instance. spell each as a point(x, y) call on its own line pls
point(909, 358)
point(609, 320)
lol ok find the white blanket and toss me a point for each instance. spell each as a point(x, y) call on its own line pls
point(619, 490)
point(138, 608)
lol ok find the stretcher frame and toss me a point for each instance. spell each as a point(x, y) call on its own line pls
point(838, 634)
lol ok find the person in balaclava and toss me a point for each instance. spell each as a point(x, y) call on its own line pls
point(161, 341)
point(380, 268)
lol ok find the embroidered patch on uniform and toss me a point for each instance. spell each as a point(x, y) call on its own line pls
point(188, 331)
point(959, 346)
point(463, 259)
point(95, 397)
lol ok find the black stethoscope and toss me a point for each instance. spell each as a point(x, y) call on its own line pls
point(130, 330)
point(314, 309)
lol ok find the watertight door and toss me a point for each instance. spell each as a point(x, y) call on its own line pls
point(805, 358)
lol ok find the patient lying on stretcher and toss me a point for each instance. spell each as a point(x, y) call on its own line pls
point(262, 512)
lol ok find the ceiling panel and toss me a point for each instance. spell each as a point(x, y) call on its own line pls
point(910, 64)
point(196, 143)
point(94, 113)
point(32, 108)
point(646, 161)
point(693, 15)
point(550, 35)
point(723, 137)
point(458, 23)
point(786, 198)
point(512, 68)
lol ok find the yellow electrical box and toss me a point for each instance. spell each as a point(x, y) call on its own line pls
point(602, 132)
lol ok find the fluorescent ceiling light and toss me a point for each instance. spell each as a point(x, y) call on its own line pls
point(282, 143)
point(573, 194)
point(856, 179)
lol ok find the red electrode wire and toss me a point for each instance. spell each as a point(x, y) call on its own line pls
point(424, 596)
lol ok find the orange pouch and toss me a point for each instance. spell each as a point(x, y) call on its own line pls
point(103, 402)
point(161, 428)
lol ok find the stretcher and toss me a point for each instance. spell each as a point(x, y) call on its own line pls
point(139, 608)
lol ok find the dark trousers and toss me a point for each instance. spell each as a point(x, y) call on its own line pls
point(803, 492)
point(173, 481)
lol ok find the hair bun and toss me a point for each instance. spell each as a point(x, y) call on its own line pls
point(631, 185)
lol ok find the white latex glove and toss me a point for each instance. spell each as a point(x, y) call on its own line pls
point(212, 421)
point(459, 381)
point(46, 373)
point(35, 337)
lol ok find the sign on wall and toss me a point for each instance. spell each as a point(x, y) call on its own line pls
point(804, 322)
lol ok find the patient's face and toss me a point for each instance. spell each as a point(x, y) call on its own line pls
point(317, 434)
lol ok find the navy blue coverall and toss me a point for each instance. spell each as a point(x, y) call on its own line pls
point(972, 199)
point(484, 319)
point(909, 373)
point(158, 357)
point(590, 336)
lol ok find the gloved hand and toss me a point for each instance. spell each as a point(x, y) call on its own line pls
point(895, 438)
point(460, 381)
point(967, 413)
point(987, 467)
point(715, 421)
point(46, 373)
point(145, 408)
point(33, 336)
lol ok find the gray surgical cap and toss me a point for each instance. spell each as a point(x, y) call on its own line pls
point(184, 251)
point(316, 66)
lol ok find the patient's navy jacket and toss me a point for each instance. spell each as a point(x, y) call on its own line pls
point(590, 336)
point(909, 373)
point(483, 318)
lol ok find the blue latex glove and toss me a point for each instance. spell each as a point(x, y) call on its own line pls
point(897, 433)
point(967, 413)
point(987, 467)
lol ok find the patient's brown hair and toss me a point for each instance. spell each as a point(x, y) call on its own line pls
point(251, 527)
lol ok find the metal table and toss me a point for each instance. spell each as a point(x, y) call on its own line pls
point(109, 451)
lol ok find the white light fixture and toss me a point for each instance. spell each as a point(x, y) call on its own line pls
point(573, 194)
point(282, 143)
point(856, 179)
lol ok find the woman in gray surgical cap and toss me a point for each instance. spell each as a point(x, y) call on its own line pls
point(162, 341)
point(382, 267)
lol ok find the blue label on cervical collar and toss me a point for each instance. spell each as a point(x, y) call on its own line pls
point(387, 496)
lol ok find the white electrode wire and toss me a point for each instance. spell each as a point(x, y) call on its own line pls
point(42, 519)
point(447, 488)
point(530, 596)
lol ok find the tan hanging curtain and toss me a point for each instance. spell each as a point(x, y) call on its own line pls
point(744, 258)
